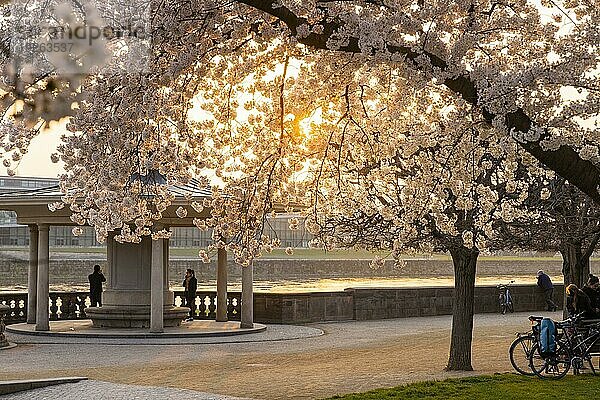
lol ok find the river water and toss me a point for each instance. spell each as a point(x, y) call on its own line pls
point(318, 285)
point(68, 272)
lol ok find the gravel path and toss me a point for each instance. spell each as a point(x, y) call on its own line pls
point(349, 357)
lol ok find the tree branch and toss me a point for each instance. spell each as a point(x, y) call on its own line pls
point(565, 161)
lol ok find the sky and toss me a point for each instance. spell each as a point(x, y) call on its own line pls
point(37, 161)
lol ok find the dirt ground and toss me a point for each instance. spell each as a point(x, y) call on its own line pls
point(341, 361)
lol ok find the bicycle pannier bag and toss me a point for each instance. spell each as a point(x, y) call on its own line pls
point(547, 337)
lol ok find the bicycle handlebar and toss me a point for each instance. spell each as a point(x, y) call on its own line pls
point(571, 320)
point(504, 285)
point(535, 318)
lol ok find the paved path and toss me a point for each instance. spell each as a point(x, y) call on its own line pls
point(349, 357)
point(96, 390)
point(197, 332)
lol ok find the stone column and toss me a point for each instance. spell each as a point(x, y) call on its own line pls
point(169, 298)
point(247, 298)
point(222, 285)
point(42, 321)
point(156, 287)
point(32, 274)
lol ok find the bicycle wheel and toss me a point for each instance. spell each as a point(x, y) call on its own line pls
point(510, 307)
point(550, 367)
point(519, 352)
point(502, 304)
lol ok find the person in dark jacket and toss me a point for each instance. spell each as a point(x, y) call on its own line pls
point(190, 283)
point(591, 290)
point(578, 302)
point(544, 282)
point(96, 278)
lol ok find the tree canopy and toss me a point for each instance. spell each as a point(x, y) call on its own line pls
point(215, 86)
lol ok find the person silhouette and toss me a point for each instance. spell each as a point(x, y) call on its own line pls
point(544, 282)
point(190, 283)
point(96, 278)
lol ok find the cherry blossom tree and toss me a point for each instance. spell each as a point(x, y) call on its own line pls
point(264, 97)
point(504, 60)
point(418, 187)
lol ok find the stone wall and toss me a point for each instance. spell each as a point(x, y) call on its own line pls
point(298, 308)
point(429, 301)
point(370, 303)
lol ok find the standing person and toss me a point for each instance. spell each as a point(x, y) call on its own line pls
point(190, 283)
point(96, 278)
point(544, 282)
point(591, 290)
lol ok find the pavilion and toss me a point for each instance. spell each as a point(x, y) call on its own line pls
point(137, 293)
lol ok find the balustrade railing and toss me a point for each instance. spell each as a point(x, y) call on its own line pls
point(71, 305)
point(18, 307)
point(205, 306)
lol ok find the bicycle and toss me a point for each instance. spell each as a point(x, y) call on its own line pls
point(505, 298)
point(557, 364)
point(583, 343)
point(573, 348)
point(520, 349)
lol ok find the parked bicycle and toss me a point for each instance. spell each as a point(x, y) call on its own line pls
point(577, 342)
point(505, 298)
point(520, 349)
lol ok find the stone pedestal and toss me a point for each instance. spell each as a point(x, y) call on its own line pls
point(130, 317)
point(126, 298)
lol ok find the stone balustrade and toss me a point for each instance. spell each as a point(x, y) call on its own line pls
point(290, 308)
point(18, 306)
point(71, 305)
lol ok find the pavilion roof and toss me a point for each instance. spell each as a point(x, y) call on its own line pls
point(31, 205)
point(52, 193)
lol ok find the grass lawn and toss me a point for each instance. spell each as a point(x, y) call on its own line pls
point(299, 254)
point(500, 386)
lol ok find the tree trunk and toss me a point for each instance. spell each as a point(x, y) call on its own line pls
point(576, 267)
point(465, 265)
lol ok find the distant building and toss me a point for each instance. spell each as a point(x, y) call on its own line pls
point(13, 234)
point(13, 183)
